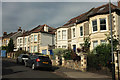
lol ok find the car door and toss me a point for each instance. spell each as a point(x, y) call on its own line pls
point(29, 60)
point(32, 60)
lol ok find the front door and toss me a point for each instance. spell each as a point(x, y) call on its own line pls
point(74, 48)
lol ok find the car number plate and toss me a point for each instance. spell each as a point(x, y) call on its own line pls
point(45, 62)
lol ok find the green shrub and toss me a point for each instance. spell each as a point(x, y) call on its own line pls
point(100, 57)
point(67, 54)
point(58, 51)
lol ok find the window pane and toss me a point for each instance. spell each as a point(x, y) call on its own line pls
point(94, 23)
point(95, 43)
point(58, 34)
point(103, 41)
point(32, 38)
point(73, 32)
point(102, 24)
point(35, 37)
point(63, 46)
point(81, 31)
point(64, 34)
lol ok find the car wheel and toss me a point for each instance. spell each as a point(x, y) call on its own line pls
point(23, 62)
point(26, 64)
point(17, 61)
point(33, 66)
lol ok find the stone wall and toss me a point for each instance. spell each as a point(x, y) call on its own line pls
point(11, 55)
point(72, 64)
point(77, 65)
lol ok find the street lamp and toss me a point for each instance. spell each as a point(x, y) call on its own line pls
point(113, 71)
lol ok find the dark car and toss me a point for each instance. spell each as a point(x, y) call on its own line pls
point(22, 58)
point(39, 61)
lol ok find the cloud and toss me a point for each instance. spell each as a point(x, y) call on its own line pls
point(58, 0)
point(28, 14)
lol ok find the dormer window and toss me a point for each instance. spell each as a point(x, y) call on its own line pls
point(45, 28)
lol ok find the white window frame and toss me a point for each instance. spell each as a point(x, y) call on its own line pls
point(103, 24)
point(59, 36)
point(31, 49)
point(94, 26)
point(64, 46)
point(64, 34)
point(35, 38)
point(25, 40)
point(81, 31)
point(102, 41)
point(96, 44)
point(31, 38)
point(35, 49)
point(73, 30)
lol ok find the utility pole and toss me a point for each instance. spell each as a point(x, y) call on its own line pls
point(113, 70)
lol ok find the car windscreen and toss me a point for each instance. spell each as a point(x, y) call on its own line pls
point(43, 57)
point(25, 56)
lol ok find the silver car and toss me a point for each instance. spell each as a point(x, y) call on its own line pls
point(22, 58)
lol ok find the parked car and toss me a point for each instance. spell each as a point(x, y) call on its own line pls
point(22, 58)
point(39, 61)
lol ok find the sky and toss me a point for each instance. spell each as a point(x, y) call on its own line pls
point(28, 15)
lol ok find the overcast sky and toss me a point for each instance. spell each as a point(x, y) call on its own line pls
point(31, 14)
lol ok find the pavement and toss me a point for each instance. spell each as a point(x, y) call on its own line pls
point(79, 75)
point(13, 70)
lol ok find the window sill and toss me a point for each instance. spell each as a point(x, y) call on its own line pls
point(94, 31)
point(103, 30)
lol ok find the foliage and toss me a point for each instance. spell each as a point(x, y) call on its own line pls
point(3, 48)
point(58, 51)
point(85, 46)
point(67, 54)
point(10, 47)
point(21, 52)
point(115, 41)
point(101, 58)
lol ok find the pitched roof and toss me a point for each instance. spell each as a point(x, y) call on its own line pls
point(40, 28)
point(9, 35)
point(104, 9)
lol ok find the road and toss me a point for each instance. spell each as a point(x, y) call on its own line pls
point(11, 71)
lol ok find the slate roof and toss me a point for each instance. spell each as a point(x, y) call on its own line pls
point(39, 28)
point(104, 9)
point(9, 35)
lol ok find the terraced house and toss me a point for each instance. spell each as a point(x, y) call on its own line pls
point(95, 23)
point(39, 39)
point(6, 37)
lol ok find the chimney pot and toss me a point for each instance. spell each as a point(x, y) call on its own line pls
point(118, 3)
point(5, 33)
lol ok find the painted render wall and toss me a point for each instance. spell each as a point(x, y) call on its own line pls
point(47, 39)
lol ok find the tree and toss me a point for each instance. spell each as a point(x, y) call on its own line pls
point(85, 46)
point(10, 47)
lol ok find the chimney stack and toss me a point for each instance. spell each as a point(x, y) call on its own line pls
point(5, 33)
point(20, 29)
point(118, 3)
